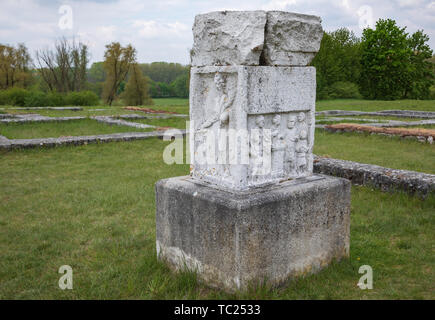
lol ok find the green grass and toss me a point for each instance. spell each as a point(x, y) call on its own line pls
point(93, 208)
point(86, 112)
point(375, 105)
point(321, 121)
point(60, 206)
point(381, 118)
point(83, 127)
point(170, 101)
point(182, 106)
point(179, 123)
point(171, 104)
point(391, 152)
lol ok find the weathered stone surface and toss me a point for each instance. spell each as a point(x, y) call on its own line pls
point(386, 179)
point(274, 38)
point(6, 116)
point(4, 140)
point(395, 123)
point(157, 116)
point(232, 100)
point(33, 117)
point(49, 108)
point(410, 113)
point(234, 238)
point(228, 38)
point(291, 39)
point(119, 122)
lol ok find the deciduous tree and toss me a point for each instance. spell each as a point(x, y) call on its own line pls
point(15, 66)
point(64, 68)
point(385, 60)
point(117, 62)
point(136, 90)
point(421, 75)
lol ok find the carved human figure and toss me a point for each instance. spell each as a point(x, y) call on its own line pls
point(311, 122)
point(223, 102)
point(301, 125)
point(257, 147)
point(278, 147)
point(291, 138)
point(301, 152)
point(216, 125)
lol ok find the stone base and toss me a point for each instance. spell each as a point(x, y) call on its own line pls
point(233, 239)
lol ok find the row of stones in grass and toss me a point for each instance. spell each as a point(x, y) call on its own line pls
point(134, 116)
point(33, 117)
point(420, 137)
point(384, 113)
point(393, 123)
point(339, 119)
point(12, 144)
point(358, 173)
point(112, 121)
point(46, 108)
point(385, 179)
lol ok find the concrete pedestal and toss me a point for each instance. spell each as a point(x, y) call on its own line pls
point(272, 233)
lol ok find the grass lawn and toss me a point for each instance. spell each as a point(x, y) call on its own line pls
point(381, 118)
point(369, 105)
point(391, 152)
point(92, 207)
point(321, 121)
point(83, 127)
point(179, 123)
point(170, 101)
point(86, 112)
point(182, 106)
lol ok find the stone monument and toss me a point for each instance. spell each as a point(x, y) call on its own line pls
point(251, 209)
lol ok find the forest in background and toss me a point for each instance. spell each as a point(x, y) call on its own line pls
point(386, 63)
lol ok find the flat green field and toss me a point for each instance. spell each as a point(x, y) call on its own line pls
point(83, 127)
point(368, 105)
point(179, 123)
point(182, 106)
point(391, 152)
point(93, 208)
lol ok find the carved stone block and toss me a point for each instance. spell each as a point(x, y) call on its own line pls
point(233, 239)
point(291, 39)
point(254, 38)
point(228, 38)
point(251, 126)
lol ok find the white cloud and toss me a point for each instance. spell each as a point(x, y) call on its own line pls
point(161, 29)
point(154, 29)
point(409, 3)
point(279, 4)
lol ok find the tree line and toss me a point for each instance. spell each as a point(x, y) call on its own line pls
point(386, 63)
point(164, 80)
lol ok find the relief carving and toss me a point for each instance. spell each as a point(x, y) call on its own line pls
point(290, 145)
point(223, 101)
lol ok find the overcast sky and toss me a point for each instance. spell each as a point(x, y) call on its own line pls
point(160, 30)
